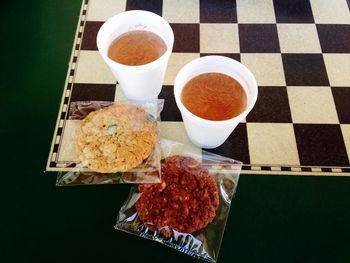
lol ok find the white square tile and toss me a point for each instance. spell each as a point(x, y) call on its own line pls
point(298, 38)
point(272, 143)
point(175, 131)
point(219, 38)
point(181, 11)
point(267, 68)
point(345, 129)
point(92, 69)
point(176, 62)
point(296, 169)
point(338, 69)
point(67, 148)
point(101, 10)
point(255, 11)
point(53, 157)
point(276, 168)
point(312, 105)
point(330, 12)
point(67, 93)
point(119, 94)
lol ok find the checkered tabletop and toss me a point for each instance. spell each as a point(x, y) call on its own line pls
point(298, 50)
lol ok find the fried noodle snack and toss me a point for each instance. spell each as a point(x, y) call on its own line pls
point(115, 138)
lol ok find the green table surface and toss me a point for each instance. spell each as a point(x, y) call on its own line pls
point(272, 218)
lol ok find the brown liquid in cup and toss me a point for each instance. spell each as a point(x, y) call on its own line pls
point(136, 48)
point(214, 96)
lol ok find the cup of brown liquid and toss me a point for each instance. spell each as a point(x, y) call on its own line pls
point(136, 45)
point(214, 93)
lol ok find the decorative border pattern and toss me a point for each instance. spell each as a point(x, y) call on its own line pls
point(53, 163)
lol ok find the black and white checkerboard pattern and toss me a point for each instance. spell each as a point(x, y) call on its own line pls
point(298, 50)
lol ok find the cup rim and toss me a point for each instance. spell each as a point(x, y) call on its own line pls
point(213, 122)
point(138, 67)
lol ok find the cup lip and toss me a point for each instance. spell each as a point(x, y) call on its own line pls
point(213, 122)
point(139, 67)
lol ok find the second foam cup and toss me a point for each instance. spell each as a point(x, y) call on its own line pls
point(137, 82)
point(207, 133)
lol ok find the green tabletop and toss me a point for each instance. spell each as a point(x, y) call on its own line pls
point(272, 218)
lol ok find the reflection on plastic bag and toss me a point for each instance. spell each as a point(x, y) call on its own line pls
point(203, 243)
point(81, 171)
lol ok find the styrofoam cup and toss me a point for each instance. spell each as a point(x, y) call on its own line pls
point(206, 133)
point(137, 82)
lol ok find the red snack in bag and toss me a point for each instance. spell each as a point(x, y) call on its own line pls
point(186, 200)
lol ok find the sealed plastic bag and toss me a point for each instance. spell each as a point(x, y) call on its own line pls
point(114, 143)
point(188, 210)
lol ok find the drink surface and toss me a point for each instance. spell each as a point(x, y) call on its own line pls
point(214, 96)
point(136, 48)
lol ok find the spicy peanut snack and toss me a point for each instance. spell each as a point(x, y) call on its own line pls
point(186, 200)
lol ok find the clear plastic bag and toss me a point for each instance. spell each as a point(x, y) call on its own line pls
point(131, 126)
point(199, 240)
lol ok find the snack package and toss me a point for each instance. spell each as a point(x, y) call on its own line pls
point(188, 210)
point(115, 143)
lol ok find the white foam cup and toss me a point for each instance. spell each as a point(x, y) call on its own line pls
point(207, 133)
point(141, 82)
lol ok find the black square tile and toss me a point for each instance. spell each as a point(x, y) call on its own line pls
point(341, 97)
point(271, 106)
point(320, 145)
point(170, 111)
point(265, 168)
point(246, 168)
point(78, 110)
point(258, 38)
point(345, 170)
point(90, 33)
point(186, 37)
point(305, 70)
point(213, 11)
point(286, 169)
point(306, 169)
point(55, 148)
point(154, 6)
point(235, 56)
point(334, 38)
point(236, 146)
point(293, 11)
point(326, 170)
point(93, 92)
